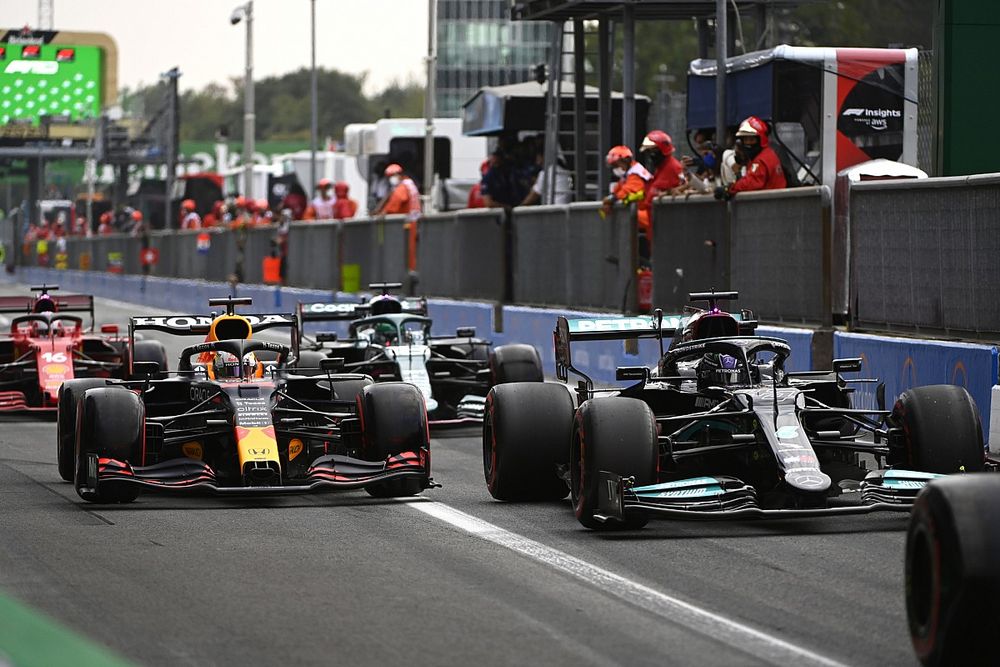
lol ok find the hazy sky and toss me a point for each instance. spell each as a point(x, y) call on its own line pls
point(386, 38)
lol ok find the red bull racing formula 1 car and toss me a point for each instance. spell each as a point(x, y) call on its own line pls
point(48, 343)
point(237, 418)
point(719, 430)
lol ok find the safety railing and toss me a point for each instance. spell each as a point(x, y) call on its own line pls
point(923, 255)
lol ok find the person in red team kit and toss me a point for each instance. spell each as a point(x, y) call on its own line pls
point(657, 154)
point(763, 170)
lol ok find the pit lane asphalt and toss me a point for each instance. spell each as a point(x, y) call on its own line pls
point(343, 578)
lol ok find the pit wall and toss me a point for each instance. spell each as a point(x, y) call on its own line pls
point(901, 362)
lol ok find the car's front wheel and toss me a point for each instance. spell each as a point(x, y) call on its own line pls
point(111, 423)
point(616, 435)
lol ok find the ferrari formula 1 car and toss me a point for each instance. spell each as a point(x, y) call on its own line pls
point(719, 430)
point(229, 422)
point(48, 344)
point(390, 339)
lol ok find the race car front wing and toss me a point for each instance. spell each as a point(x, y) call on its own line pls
point(327, 473)
point(721, 498)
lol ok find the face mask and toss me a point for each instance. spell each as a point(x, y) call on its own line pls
point(618, 172)
point(395, 180)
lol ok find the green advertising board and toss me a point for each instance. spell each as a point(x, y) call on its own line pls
point(49, 79)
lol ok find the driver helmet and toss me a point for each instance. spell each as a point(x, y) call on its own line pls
point(44, 304)
point(718, 370)
point(385, 333)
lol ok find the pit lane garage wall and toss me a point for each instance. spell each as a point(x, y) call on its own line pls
point(901, 362)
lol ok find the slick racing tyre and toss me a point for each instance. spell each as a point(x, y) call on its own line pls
point(941, 428)
point(952, 581)
point(308, 362)
point(152, 350)
point(526, 433)
point(515, 363)
point(69, 396)
point(348, 389)
point(393, 421)
point(111, 423)
point(617, 435)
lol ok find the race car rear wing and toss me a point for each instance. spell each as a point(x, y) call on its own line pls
point(657, 326)
point(65, 303)
point(331, 312)
point(199, 325)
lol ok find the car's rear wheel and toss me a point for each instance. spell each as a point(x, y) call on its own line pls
point(616, 435)
point(308, 362)
point(526, 434)
point(394, 421)
point(152, 350)
point(345, 389)
point(69, 396)
point(952, 581)
point(110, 423)
point(515, 363)
point(942, 431)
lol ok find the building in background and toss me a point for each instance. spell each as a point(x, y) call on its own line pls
point(478, 45)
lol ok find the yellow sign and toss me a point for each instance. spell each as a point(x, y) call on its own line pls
point(84, 261)
point(62, 261)
point(350, 277)
point(193, 450)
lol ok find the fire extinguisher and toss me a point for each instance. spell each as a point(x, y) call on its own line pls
point(644, 288)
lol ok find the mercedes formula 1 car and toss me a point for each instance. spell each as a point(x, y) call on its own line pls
point(719, 430)
point(47, 345)
point(390, 339)
point(236, 417)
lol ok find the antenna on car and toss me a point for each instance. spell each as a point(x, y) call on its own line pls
point(231, 302)
point(658, 317)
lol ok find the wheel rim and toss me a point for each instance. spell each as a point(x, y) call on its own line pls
point(577, 474)
point(923, 576)
point(489, 450)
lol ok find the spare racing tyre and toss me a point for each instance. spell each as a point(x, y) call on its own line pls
point(70, 393)
point(526, 434)
point(515, 363)
point(952, 580)
point(110, 423)
point(942, 432)
point(151, 350)
point(616, 435)
point(394, 421)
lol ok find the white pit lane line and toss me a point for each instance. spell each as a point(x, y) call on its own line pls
point(727, 631)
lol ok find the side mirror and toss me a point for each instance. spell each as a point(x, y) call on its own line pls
point(847, 365)
point(145, 369)
point(465, 332)
point(631, 373)
point(326, 336)
point(109, 329)
point(331, 365)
